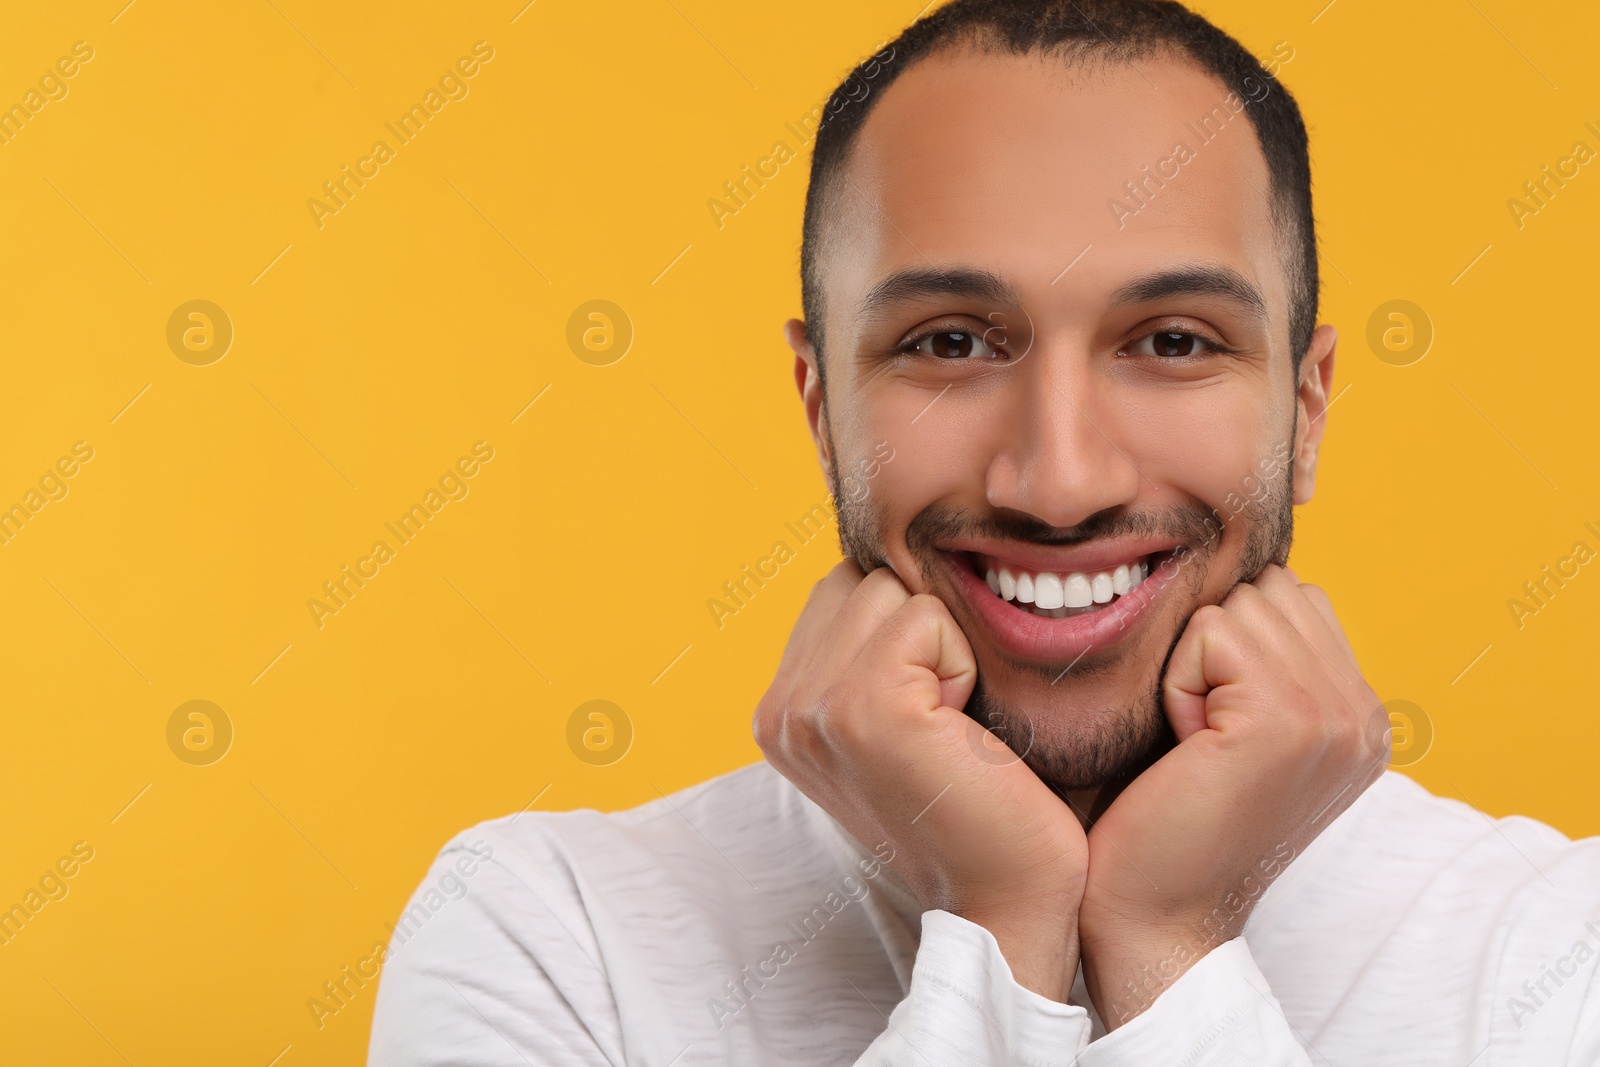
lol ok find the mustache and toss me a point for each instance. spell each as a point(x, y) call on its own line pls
point(1193, 526)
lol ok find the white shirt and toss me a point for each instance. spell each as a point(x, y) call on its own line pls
point(735, 922)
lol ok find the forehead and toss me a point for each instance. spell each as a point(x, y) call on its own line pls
point(1019, 164)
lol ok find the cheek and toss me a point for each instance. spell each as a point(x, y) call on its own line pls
point(934, 446)
point(1205, 445)
point(935, 456)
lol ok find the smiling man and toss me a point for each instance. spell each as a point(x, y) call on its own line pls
point(1063, 764)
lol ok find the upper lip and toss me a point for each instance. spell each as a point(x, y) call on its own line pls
point(1091, 558)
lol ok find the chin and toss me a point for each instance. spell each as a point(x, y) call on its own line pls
point(1079, 733)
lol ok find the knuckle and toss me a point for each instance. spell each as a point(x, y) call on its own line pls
point(1245, 597)
point(1212, 618)
point(771, 722)
point(764, 726)
point(880, 576)
point(835, 722)
point(878, 600)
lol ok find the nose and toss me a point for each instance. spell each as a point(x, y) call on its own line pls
point(1062, 458)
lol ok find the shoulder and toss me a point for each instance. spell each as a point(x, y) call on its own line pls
point(1421, 910)
point(1407, 825)
point(529, 921)
point(564, 860)
point(1401, 841)
point(744, 813)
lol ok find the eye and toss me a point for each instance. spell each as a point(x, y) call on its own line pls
point(956, 345)
point(1174, 345)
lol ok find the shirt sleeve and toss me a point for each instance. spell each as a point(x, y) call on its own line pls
point(1219, 1013)
point(459, 989)
point(964, 1007)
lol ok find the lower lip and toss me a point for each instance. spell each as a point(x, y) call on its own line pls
point(1034, 637)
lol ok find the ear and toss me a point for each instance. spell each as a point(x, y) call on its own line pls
point(809, 381)
point(1316, 381)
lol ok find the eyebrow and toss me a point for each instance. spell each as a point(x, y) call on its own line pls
point(988, 287)
point(1196, 280)
point(916, 282)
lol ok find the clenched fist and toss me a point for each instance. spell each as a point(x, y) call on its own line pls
point(1275, 738)
point(865, 718)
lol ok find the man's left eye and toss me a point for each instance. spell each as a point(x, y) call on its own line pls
point(1172, 344)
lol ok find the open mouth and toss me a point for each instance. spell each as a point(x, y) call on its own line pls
point(1056, 595)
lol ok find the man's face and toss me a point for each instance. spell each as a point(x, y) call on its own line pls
point(1104, 408)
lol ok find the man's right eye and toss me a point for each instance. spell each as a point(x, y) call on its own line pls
point(952, 345)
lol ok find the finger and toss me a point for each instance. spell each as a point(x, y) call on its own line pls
point(1209, 654)
point(952, 662)
point(1283, 592)
point(1332, 656)
point(827, 594)
point(1324, 608)
point(862, 613)
point(920, 648)
point(1319, 600)
point(1312, 614)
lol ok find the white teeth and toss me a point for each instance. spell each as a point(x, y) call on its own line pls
point(1119, 580)
point(1047, 592)
point(1053, 596)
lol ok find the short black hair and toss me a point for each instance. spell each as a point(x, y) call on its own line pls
point(1080, 31)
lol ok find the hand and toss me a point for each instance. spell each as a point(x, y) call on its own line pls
point(1275, 738)
point(865, 718)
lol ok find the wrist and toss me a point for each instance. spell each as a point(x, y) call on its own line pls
point(1040, 947)
point(1126, 968)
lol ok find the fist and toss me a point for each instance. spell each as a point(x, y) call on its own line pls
point(1275, 739)
point(864, 716)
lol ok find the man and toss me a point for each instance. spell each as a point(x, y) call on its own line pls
point(1063, 765)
